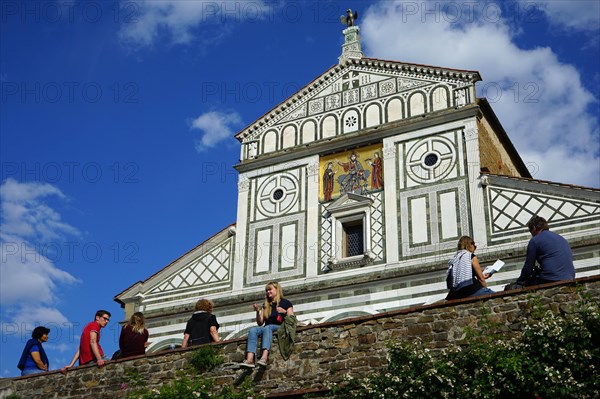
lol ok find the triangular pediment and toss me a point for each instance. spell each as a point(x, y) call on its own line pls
point(352, 84)
point(349, 201)
point(205, 268)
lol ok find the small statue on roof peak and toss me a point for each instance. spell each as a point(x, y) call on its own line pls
point(349, 18)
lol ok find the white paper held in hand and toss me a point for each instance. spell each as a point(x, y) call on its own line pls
point(494, 268)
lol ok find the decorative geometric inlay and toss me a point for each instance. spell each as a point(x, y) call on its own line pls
point(512, 209)
point(431, 159)
point(332, 102)
point(433, 223)
point(296, 114)
point(377, 226)
point(315, 106)
point(389, 151)
point(326, 252)
point(211, 267)
point(387, 87)
point(278, 194)
point(350, 80)
point(243, 183)
point(313, 169)
point(369, 91)
point(351, 121)
point(351, 97)
point(273, 250)
point(405, 84)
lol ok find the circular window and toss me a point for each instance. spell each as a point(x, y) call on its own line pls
point(351, 121)
point(278, 194)
point(431, 159)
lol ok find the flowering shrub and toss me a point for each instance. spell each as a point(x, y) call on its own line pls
point(555, 357)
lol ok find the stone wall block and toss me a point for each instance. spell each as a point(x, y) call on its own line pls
point(427, 318)
point(391, 325)
point(367, 339)
point(419, 330)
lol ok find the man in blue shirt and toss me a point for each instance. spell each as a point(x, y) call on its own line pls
point(551, 251)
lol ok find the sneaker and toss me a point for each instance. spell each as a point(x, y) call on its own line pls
point(247, 364)
point(262, 363)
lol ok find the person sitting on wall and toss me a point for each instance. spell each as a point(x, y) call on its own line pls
point(90, 350)
point(268, 318)
point(33, 359)
point(202, 327)
point(551, 251)
point(464, 277)
point(134, 337)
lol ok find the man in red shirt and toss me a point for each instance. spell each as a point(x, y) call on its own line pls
point(90, 350)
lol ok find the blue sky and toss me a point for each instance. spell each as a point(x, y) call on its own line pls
point(117, 123)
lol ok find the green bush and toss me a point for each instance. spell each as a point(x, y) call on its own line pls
point(188, 384)
point(194, 387)
point(555, 357)
point(205, 358)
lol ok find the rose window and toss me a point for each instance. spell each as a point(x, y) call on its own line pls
point(278, 194)
point(431, 159)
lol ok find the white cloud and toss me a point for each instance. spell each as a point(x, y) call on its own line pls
point(25, 215)
point(179, 20)
point(541, 102)
point(32, 316)
point(216, 127)
point(29, 280)
point(581, 15)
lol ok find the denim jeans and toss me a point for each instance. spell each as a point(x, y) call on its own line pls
point(31, 371)
point(482, 291)
point(267, 336)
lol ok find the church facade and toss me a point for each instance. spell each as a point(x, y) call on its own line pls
point(353, 193)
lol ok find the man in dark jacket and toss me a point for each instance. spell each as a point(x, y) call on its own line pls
point(551, 251)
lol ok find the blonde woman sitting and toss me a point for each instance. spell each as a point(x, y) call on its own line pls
point(268, 317)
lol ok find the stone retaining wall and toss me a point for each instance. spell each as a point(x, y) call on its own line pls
point(323, 353)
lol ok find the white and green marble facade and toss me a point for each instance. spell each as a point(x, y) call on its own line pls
point(426, 119)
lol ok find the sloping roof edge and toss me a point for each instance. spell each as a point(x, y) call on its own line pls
point(487, 110)
point(547, 182)
point(131, 288)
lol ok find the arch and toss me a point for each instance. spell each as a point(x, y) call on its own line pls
point(440, 98)
point(347, 315)
point(394, 109)
point(351, 121)
point(269, 141)
point(164, 345)
point(329, 126)
point(289, 137)
point(372, 115)
point(417, 104)
point(309, 131)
